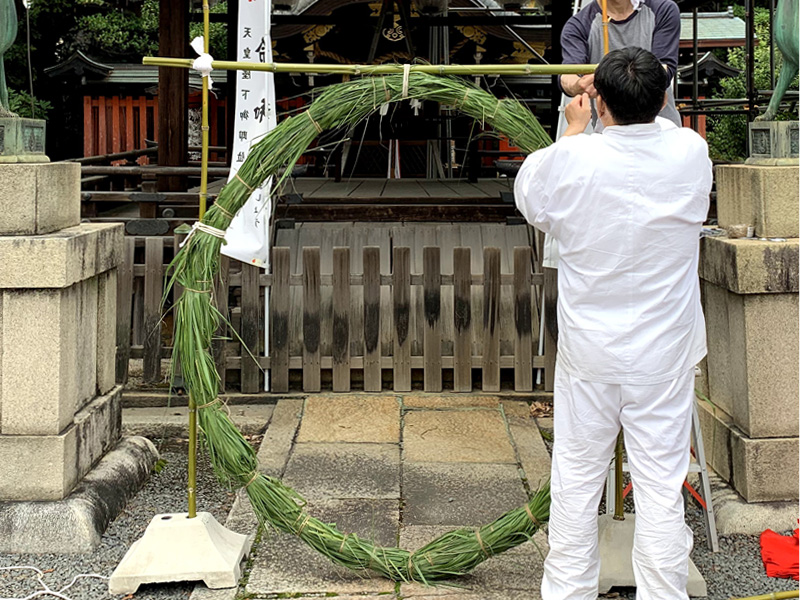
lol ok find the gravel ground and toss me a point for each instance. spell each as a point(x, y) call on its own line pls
point(165, 492)
point(735, 571)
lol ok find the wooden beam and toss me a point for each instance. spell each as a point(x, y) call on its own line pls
point(230, 108)
point(173, 91)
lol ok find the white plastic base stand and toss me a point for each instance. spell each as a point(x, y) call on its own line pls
point(177, 548)
point(616, 567)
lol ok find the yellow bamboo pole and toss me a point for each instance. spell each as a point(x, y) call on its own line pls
point(204, 143)
point(605, 26)
point(509, 69)
point(773, 596)
point(192, 470)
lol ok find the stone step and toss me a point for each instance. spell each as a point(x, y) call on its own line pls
point(171, 422)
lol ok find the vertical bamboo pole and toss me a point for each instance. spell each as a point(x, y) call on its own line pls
point(619, 509)
point(204, 128)
point(192, 474)
point(619, 512)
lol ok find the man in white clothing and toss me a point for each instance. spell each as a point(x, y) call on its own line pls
point(626, 207)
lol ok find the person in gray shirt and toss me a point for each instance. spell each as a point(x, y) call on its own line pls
point(654, 25)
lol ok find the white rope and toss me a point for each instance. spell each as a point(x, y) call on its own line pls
point(200, 226)
point(47, 591)
point(202, 64)
point(406, 73)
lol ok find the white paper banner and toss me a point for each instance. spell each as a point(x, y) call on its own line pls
point(248, 234)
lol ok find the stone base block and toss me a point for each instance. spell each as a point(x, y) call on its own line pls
point(616, 566)
point(47, 467)
point(752, 359)
point(22, 140)
point(76, 524)
point(60, 259)
point(39, 198)
point(762, 196)
point(761, 470)
point(177, 548)
point(750, 266)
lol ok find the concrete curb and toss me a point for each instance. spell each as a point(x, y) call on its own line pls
point(735, 515)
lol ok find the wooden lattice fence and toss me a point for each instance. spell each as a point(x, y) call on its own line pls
point(329, 330)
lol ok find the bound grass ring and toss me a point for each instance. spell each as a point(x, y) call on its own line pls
point(197, 321)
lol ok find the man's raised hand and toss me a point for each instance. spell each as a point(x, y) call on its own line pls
point(585, 85)
point(578, 114)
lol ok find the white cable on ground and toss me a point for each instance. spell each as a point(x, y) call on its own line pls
point(47, 591)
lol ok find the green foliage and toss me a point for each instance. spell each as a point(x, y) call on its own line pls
point(20, 103)
point(116, 32)
point(217, 33)
point(727, 135)
point(106, 30)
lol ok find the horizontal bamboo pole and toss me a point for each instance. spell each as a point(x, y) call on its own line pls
point(510, 69)
point(773, 596)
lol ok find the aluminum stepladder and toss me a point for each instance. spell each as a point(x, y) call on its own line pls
point(697, 465)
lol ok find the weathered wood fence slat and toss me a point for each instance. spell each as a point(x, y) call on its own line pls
point(321, 321)
point(341, 320)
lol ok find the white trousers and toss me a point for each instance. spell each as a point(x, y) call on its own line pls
point(656, 420)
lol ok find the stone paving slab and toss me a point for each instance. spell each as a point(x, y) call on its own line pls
point(460, 494)
point(242, 519)
point(201, 592)
point(425, 401)
point(276, 446)
point(354, 418)
point(174, 421)
point(377, 521)
point(283, 564)
point(469, 436)
point(323, 471)
point(531, 449)
point(516, 408)
point(516, 573)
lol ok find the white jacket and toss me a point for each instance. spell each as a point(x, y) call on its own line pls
point(626, 207)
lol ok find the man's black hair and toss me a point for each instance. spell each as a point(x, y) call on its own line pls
point(632, 83)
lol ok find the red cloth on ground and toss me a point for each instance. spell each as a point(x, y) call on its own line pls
point(780, 554)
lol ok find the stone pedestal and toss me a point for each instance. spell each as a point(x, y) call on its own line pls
point(60, 408)
point(773, 141)
point(762, 196)
point(42, 198)
point(750, 294)
point(22, 140)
